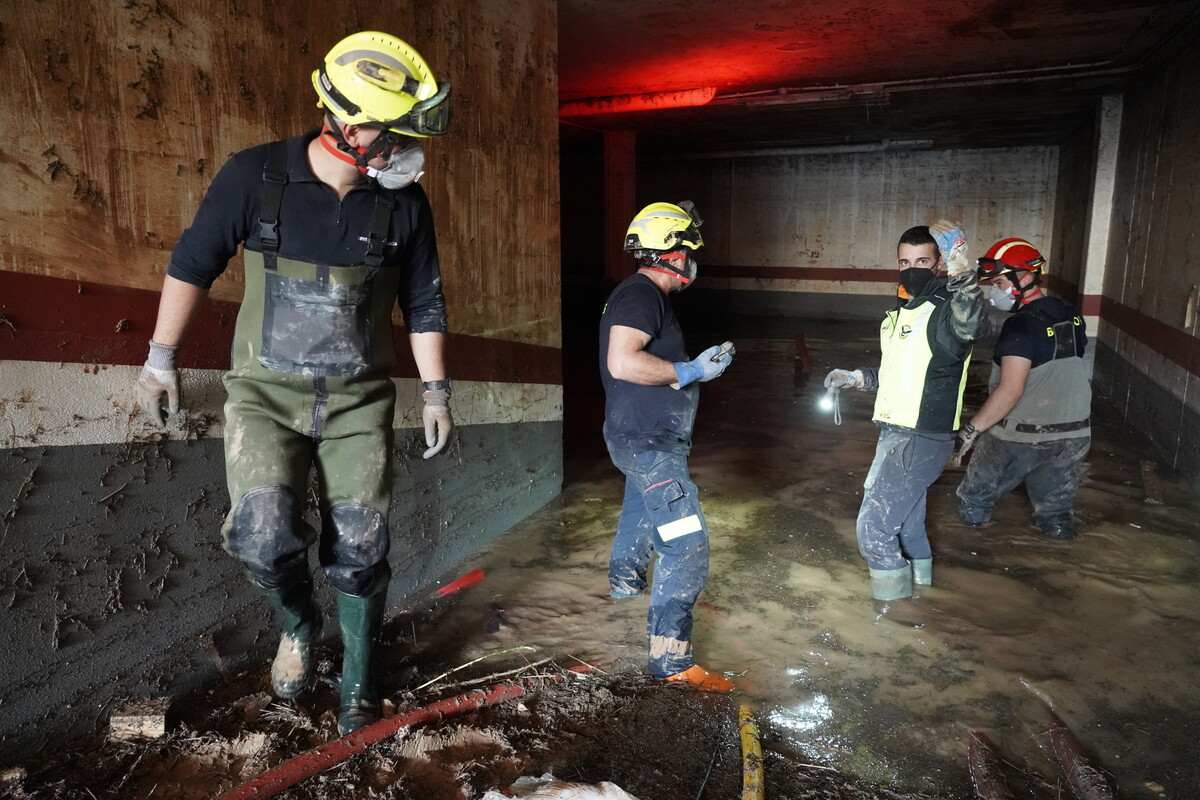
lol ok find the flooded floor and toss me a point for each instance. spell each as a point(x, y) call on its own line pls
point(1102, 630)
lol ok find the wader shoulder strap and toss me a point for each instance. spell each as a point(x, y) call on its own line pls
point(274, 179)
point(385, 200)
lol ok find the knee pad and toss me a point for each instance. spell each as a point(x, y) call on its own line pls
point(266, 533)
point(354, 545)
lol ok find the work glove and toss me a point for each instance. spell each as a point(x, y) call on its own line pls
point(967, 435)
point(953, 244)
point(844, 379)
point(704, 367)
point(158, 378)
point(438, 424)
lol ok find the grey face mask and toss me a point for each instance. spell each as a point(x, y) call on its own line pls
point(1002, 299)
point(404, 167)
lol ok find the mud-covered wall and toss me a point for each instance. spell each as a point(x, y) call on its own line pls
point(117, 115)
point(816, 234)
point(1148, 355)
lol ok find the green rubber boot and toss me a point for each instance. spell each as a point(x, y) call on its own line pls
point(361, 619)
point(922, 571)
point(891, 584)
point(292, 669)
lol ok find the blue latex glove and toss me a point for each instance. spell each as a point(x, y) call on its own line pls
point(704, 367)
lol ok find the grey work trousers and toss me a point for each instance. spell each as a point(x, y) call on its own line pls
point(891, 520)
point(1050, 470)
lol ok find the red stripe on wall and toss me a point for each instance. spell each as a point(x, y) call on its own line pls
point(52, 319)
point(842, 274)
point(1173, 344)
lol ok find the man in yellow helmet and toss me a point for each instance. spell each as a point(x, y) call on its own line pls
point(651, 390)
point(335, 230)
point(926, 348)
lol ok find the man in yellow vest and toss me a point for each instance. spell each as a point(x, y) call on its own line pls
point(926, 342)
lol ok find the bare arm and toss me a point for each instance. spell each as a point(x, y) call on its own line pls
point(177, 308)
point(629, 361)
point(1014, 371)
point(428, 351)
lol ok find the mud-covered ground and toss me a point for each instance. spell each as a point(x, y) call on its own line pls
point(611, 724)
point(854, 698)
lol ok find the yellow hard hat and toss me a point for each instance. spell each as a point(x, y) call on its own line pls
point(373, 78)
point(665, 226)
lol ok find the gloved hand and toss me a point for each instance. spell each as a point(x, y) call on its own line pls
point(704, 367)
point(158, 378)
point(438, 423)
point(953, 244)
point(967, 435)
point(844, 379)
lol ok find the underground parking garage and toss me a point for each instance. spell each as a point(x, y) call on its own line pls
point(827, 132)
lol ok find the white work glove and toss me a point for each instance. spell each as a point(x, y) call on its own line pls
point(437, 420)
point(704, 367)
point(844, 379)
point(158, 379)
point(953, 244)
point(967, 435)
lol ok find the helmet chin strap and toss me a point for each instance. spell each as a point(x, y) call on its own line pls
point(335, 143)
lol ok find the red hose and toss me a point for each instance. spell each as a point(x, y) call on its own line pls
point(305, 765)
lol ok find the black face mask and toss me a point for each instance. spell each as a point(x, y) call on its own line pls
point(914, 279)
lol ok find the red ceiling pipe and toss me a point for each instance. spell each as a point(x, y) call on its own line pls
point(619, 104)
point(305, 765)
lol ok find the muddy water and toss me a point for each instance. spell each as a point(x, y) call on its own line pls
point(1102, 630)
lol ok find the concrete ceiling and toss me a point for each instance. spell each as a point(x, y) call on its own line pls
point(937, 73)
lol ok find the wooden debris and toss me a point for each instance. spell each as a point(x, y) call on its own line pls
point(139, 721)
point(1150, 483)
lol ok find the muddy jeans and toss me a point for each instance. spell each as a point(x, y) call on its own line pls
point(891, 520)
point(661, 514)
point(1050, 470)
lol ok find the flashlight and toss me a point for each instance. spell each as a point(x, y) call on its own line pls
point(829, 402)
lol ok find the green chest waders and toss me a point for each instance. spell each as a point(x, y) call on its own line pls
point(309, 386)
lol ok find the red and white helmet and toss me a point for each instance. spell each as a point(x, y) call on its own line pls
point(1008, 255)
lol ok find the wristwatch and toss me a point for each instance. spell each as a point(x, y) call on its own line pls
point(443, 385)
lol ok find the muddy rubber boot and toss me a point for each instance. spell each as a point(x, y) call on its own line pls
point(891, 584)
point(922, 571)
point(360, 619)
point(292, 669)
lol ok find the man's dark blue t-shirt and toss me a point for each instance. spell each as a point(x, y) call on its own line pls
point(646, 417)
point(1025, 333)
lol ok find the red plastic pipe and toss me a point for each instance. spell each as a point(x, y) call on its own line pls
point(305, 765)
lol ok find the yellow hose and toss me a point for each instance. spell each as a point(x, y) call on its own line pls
point(752, 766)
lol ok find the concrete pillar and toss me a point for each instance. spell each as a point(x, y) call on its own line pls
point(1108, 143)
point(620, 189)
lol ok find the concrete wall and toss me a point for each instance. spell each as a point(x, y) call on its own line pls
point(1148, 355)
point(112, 581)
point(828, 223)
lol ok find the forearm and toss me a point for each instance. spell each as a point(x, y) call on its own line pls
point(643, 368)
point(177, 308)
point(428, 351)
point(969, 319)
point(999, 403)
